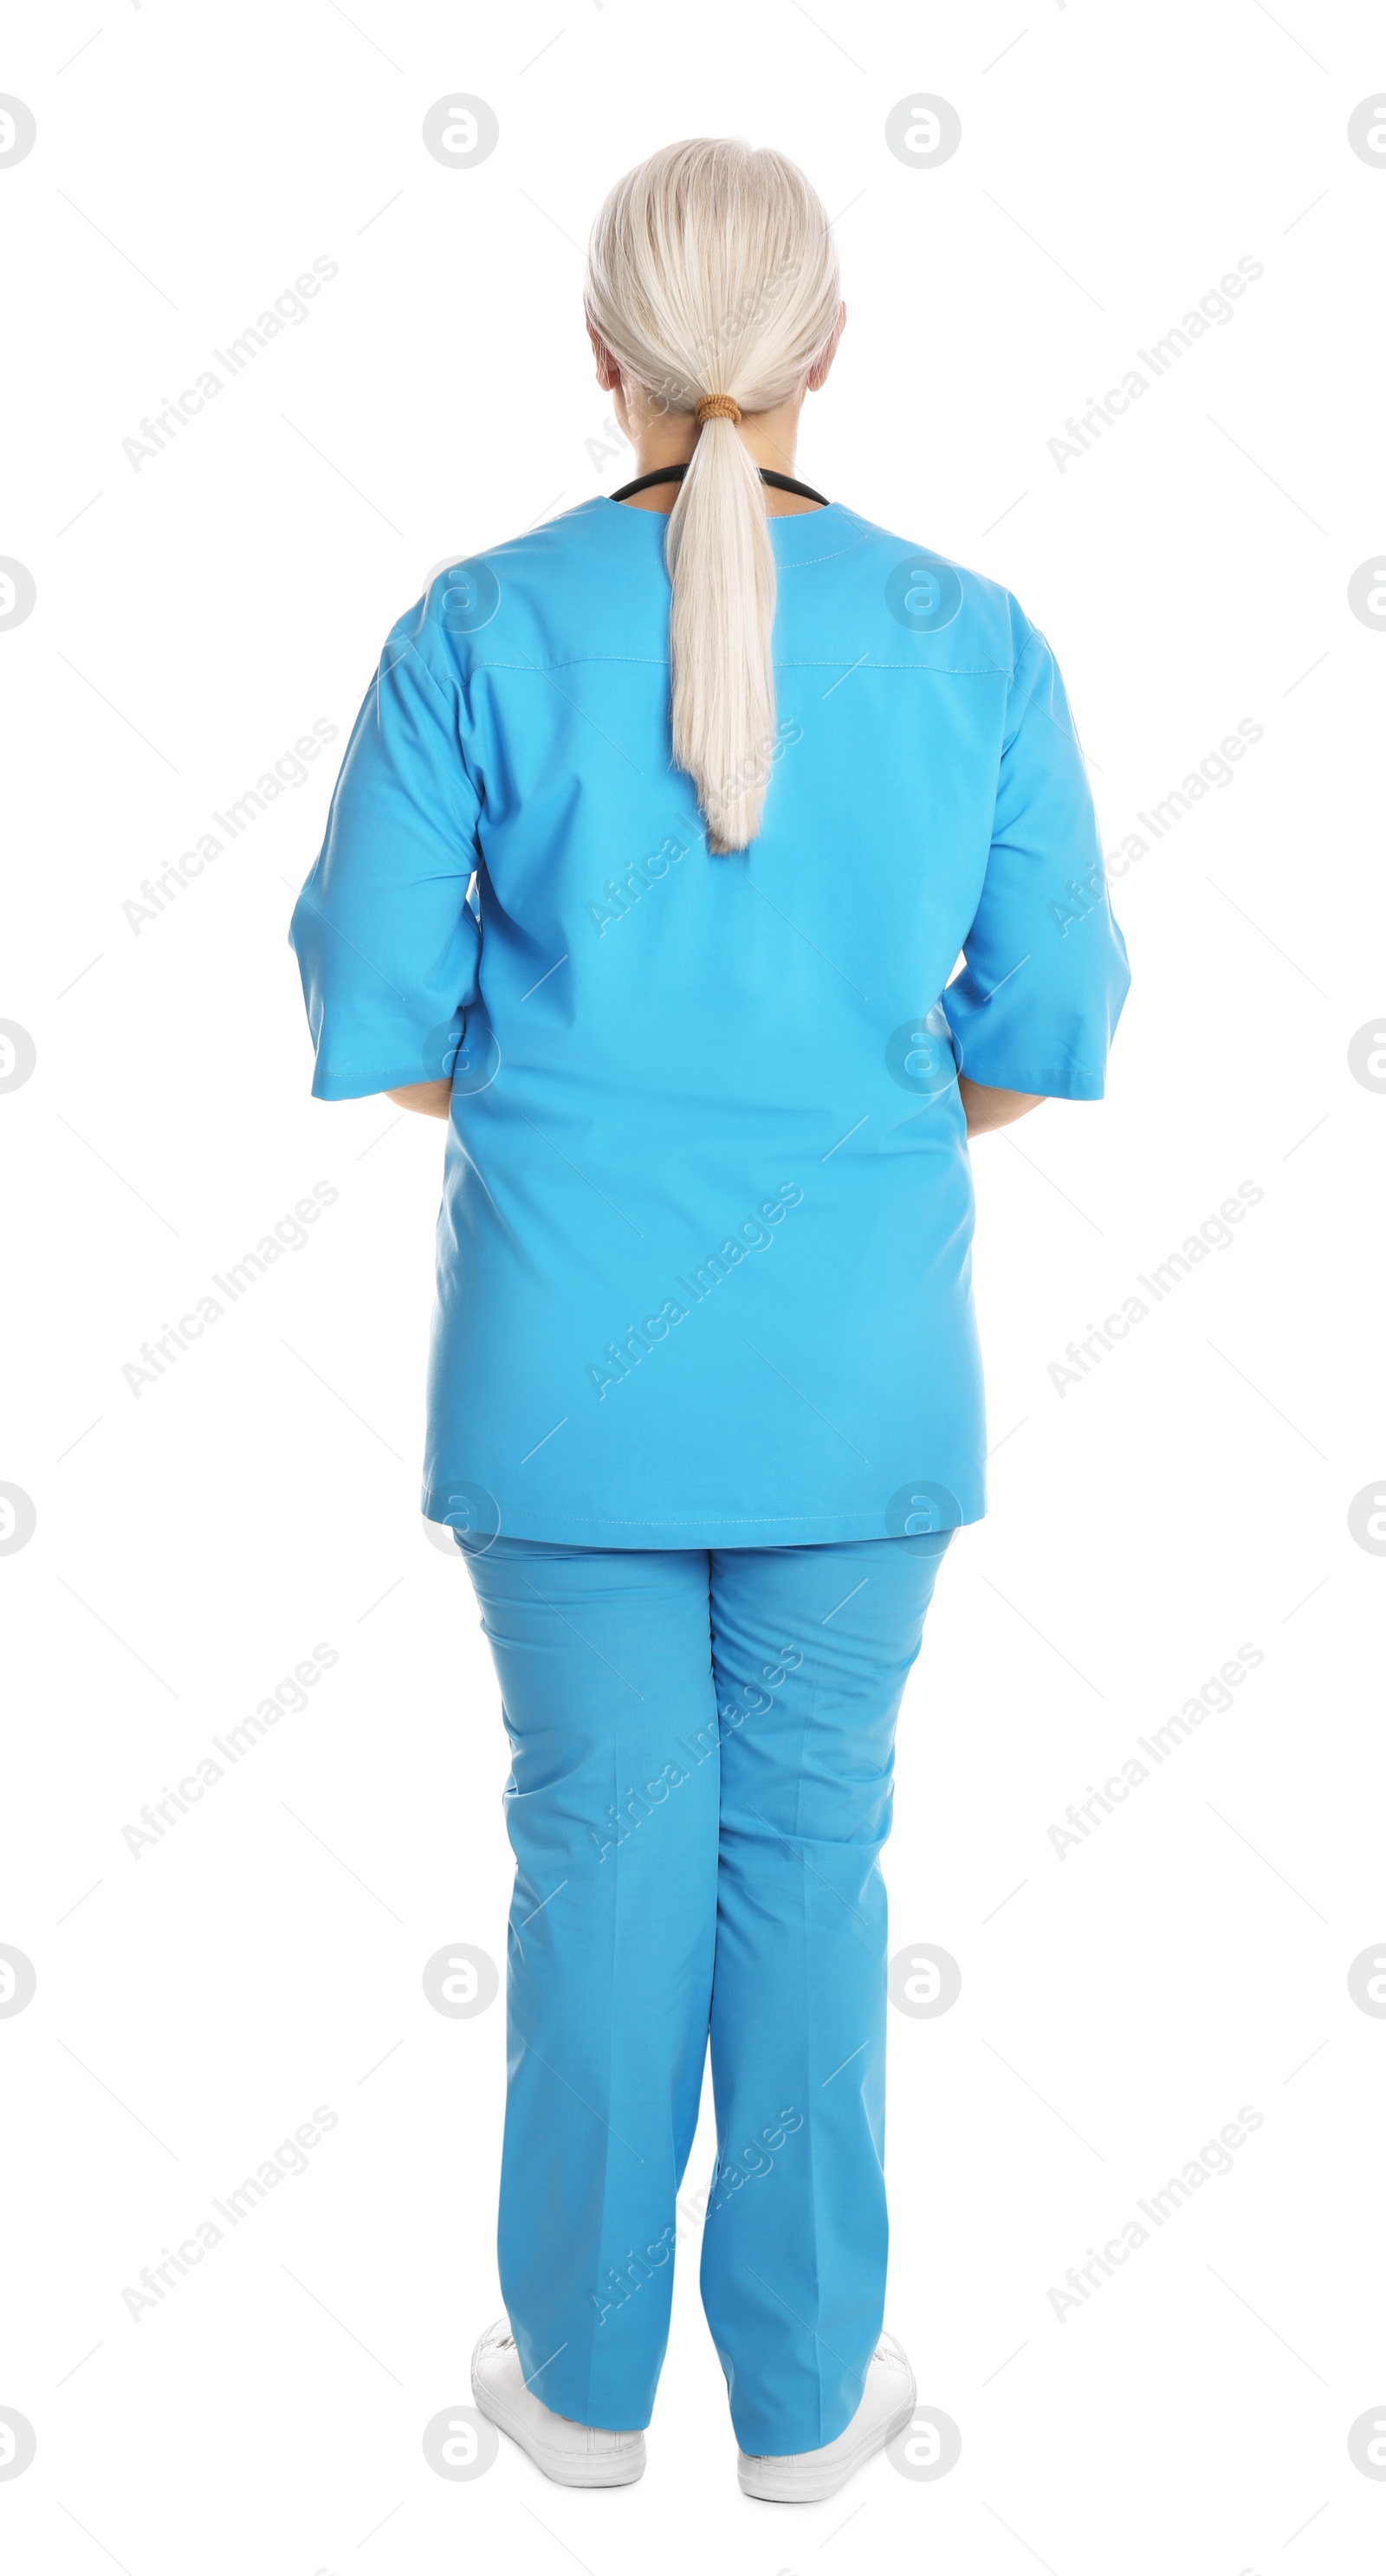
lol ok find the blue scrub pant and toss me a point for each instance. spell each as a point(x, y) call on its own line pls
point(702, 1745)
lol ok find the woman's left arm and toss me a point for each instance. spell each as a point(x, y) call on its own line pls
point(388, 945)
point(431, 1099)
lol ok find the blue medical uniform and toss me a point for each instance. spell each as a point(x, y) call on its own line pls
point(704, 1266)
point(705, 1401)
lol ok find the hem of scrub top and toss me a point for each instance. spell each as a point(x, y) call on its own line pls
point(704, 1529)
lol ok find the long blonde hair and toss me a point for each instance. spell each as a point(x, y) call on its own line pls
point(712, 270)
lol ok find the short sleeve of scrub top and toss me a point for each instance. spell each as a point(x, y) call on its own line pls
point(387, 942)
point(1025, 1008)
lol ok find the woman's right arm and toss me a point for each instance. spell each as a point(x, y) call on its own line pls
point(985, 1105)
point(1044, 973)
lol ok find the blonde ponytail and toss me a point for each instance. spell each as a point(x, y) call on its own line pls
point(711, 270)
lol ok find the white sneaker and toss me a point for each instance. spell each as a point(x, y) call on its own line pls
point(573, 2455)
point(806, 2477)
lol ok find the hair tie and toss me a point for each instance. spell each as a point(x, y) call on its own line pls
point(716, 407)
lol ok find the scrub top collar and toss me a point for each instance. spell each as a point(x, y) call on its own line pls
point(795, 537)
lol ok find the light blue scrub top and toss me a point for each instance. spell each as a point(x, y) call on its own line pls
point(704, 1269)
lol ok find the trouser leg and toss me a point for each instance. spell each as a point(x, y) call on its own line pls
point(813, 1645)
point(603, 1658)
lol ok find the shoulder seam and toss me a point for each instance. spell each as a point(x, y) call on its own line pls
point(408, 646)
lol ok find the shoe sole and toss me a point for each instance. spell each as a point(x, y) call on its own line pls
point(616, 2472)
point(807, 2486)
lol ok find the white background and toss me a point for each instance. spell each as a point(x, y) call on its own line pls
point(198, 1539)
